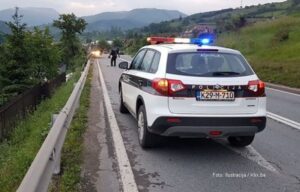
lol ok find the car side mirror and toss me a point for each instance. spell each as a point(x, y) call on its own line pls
point(124, 65)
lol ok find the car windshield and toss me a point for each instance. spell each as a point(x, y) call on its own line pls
point(207, 64)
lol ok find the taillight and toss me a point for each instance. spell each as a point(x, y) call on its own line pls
point(173, 120)
point(175, 86)
point(161, 86)
point(257, 87)
point(215, 133)
point(167, 87)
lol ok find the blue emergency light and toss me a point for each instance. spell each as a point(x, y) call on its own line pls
point(204, 39)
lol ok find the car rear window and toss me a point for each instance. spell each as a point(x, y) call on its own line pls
point(208, 64)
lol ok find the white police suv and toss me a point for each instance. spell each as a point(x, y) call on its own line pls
point(192, 90)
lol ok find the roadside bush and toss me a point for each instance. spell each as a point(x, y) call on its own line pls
point(281, 35)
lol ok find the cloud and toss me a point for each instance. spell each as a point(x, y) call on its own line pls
point(77, 5)
point(89, 7)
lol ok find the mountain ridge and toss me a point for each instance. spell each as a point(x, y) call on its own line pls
point(130, 19)
point(39, 16)
point(33, 16)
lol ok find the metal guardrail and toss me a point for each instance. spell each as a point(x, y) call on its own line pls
point(47, 160)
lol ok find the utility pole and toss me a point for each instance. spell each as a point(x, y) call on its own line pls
point(241, 4)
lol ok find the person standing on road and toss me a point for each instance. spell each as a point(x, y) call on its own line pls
point(113, 56)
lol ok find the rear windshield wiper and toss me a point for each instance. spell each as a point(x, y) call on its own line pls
point(225, 73)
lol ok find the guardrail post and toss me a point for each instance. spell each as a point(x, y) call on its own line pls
point(56, 154)
point(57, 163)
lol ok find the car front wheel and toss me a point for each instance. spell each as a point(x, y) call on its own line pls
point(240, 141)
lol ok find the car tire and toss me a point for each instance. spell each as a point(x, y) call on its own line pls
point(146, 139)
point(240, 141)
point(122, 107)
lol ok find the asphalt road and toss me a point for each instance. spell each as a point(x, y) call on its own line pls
point(284, 104)
point(271, 163)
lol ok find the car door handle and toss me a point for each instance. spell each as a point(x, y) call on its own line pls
point(140, 83)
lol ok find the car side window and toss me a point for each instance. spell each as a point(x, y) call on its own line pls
point(146, 63)
point(137, 60)
point(155, 62)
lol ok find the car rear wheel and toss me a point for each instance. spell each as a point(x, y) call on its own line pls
point(240, 141)
point(146, 139)
point(122, 107)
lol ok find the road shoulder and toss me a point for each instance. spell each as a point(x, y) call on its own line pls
point(99, 172)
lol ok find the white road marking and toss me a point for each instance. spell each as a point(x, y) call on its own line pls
point(250, 153)
point(284, 120)
point(127, 177)
point(294, 94)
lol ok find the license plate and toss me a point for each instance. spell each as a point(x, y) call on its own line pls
point(215, 96)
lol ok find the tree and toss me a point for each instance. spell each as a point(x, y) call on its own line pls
point(232, 24)
point(239, 21)
point(1, 37)
point(295, 2)
point(44, 54)
point(15, 70)
point(70, 27)
point(2, 68)
point(103, 45)
point(117, 43)
point(26, 58)
point(186, 22)
point(133, 45)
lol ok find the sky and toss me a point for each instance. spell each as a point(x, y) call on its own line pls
point(90, 7)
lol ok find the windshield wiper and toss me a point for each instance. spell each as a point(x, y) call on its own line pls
point(225, 73)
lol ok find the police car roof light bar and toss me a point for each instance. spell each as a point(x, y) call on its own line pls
point(172, 40)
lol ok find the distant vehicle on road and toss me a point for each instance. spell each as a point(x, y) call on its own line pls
point(192, 90)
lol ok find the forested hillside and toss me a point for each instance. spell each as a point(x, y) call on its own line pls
point(226, 19)
point(272, 48)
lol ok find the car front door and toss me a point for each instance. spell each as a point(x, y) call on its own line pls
point(130, 86)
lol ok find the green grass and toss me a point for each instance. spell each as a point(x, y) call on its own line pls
point(18, 152)
point(69, 180)
point(274, 61)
